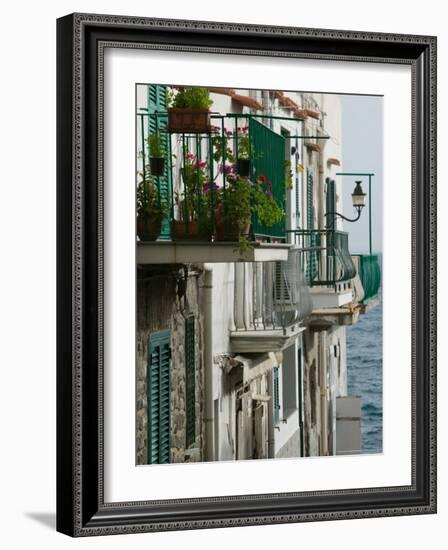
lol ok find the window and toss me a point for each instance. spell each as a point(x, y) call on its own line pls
point(158, 377)
point(190, 383)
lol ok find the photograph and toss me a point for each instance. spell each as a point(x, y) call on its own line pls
point(259, 299)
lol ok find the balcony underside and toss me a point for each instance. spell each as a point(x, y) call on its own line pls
point(261, 340)
point(168, 252)
point(328, 317)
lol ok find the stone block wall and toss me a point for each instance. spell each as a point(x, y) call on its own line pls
point(166, 296)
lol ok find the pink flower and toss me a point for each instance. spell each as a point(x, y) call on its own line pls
point(210, 185)
point(229, 168)
point(200, 164)
point(190, 156)
point(269, 193)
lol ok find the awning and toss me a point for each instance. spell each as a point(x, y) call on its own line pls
point(247, 101)
point(223, 91)
point(334, 162)
point(312, 146)
point(254, 367)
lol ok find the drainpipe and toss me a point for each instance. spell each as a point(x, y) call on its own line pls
point(323, 392)
point(208, 363)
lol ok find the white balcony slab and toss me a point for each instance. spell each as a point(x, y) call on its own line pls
point(330, 298)
point(167, 252)
point(260, 340)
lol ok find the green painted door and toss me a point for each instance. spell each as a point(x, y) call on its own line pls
point(158, 384)
point(268, 158)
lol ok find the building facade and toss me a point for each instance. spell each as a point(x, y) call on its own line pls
point(241, 352)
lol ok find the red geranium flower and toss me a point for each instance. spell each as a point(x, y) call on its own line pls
point(262, 178)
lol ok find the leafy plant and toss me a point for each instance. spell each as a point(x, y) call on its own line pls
point(156, 147)
point(242, 198)
point(193, 202)
point(288, 175)
point(151, 201)
point(191, 97)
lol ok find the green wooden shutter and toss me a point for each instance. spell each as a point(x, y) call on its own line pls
point(312, 258)
point(157, 101)
point(190, 375)
point(276, 397)
point(331, 203)
point(268, 158)
point(158, 377)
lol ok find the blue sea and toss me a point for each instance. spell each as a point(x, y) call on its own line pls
point(365, 374)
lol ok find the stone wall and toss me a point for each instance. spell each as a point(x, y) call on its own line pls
point(166, 296)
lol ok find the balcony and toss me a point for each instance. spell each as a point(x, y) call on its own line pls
point(271, 300)
point(215, 195)
point(328, 267)
point(369, 271)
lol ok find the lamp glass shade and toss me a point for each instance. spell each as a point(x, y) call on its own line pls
point(358, 196)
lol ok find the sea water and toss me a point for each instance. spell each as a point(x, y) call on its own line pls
point(365, 375)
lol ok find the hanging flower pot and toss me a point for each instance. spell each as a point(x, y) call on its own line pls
point(189, 120)
point(157, 166)
point(243, 167)
point(148, 229)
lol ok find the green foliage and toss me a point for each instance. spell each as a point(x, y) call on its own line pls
point(288, 175)
point(151, 201)
point(242, 198)
point(156, 147)
point(191, 97)
point(193, 204)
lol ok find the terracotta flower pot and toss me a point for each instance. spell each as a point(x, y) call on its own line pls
point(148, 229)
point(188, 231)
point(229, 231)
point(189, 120)
point(157, 166)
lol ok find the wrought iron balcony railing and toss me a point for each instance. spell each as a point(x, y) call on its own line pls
point(369, 272)
point(326, 258)
point(210, 182)
point(270, 296)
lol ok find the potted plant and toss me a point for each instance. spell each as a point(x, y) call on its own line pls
point(193, 221)
point(157, 154)
point(189, 111)
point(233, 212)
point(243, 156)
point(152, 209)
point(241, 199)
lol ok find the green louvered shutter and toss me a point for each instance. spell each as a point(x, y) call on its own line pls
point(331, 203)
point(311, 267)
point(157, 101)
point(158, 375)
point(190, 375)
point(276, 397)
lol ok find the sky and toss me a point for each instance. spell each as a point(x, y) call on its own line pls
point(362, 151)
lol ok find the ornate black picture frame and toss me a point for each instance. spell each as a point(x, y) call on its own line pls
point(81, 509)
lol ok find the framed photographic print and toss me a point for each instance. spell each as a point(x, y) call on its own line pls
point(246, 274)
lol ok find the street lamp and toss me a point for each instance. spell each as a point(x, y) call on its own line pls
point(358, 200)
